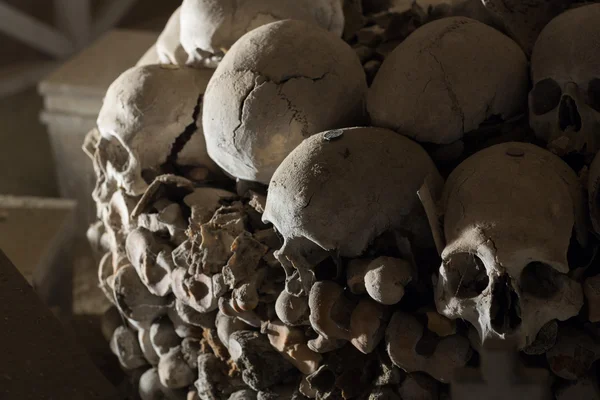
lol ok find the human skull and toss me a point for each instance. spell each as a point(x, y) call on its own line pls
point(150, 115)
point(263, 100)
point(510, 212)
point(447, 78)
point(339, 190)
point(564, 104)
point(210, 27)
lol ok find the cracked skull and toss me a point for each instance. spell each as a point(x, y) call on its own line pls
point(277, 85)
point(339, 190)
point(150, 116)
point(447, 78)
point(564, 104)
point(209, 28)
point(510, 213)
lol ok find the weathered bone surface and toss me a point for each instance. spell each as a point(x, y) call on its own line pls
point(383, 279)
point(125, 346)
point(292, 343)
point(402, 336)
point(564, 104)
point(320, 285)
point(314, 199)
point(173, 370)
point(168, 45)
point(264, 100)
point(209, 28)
point(150, 388)
point(262, 365)
point(147, 347)
point(134, 300)
point(151, 259)
point(115, 212)
point(493, 264)
point(448, 77)
point(149, 112)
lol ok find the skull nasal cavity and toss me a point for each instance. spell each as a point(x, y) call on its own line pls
point(467, 276)
point(568, 115)
point(505, 311)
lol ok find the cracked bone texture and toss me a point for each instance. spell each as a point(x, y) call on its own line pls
point(493, 265)
point(145, 111)
point(292, 310)
point(209, 28)
point(263, 100)
point(447, 78)
point(195, 217)
point(313, 201)
point(292, 343)
point(564, 107)
point(163, 337)
point(263, 365)
point(115, 213)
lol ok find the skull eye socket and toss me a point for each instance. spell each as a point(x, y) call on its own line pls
point(540, 280)
point(115, 154)
point(467, 276)
point(594, 94)
point(545, 96)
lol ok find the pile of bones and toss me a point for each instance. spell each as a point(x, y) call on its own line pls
point(309, 199)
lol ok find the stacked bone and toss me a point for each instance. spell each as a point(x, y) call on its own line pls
point(262, 241)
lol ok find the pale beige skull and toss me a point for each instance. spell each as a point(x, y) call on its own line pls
point(209, 28)
point(510, 212)
point(447, 78)
point(339, 190)
point(263, 100)
point(145, 111)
